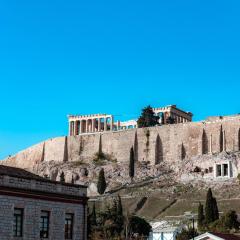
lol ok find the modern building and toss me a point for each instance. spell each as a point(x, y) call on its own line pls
point(32, 207)
point(79, 124)
point(164, 230)
point(217, 236)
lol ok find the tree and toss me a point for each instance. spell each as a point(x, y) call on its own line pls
point(62, 177)
point(120, 217)
point(187, 234)
point(211, 208)
point(231, 220)
point(93, 216)
point(131, 163)
point(147, 118)
point(139, 226)
point(200, 216)
point(101, 185)
point(226, 223)
point(72, 181)
point(120, 209)
point(215, 209)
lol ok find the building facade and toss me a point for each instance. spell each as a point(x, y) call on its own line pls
point(164, 231)
point(79, 124)
point(32, 207)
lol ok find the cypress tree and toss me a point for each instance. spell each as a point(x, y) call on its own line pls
point(62, 177)
point(209, 207)
point(215, 209)
point(120, 217)
point(131, 163)
point(200, 215)
point(72, 181)
point(93, 216)
point(101, 185)
point(114, 210)
point(119, 207)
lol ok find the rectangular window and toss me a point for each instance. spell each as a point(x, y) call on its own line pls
point(69, 226)
point(44, 224)
point(225, 170)
point(219, 170)
point(18, 222)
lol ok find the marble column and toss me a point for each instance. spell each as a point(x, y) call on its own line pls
point(99, 124)
point(80, 126)
point(93, 124)
point(111, 123)
point(69, 128)
point(87, 126)
point(72, 128)
point(105, 124)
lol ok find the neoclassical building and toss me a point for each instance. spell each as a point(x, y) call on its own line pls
point(32, 207)
point(79, 124)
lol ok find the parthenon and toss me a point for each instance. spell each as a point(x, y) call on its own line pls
point(80, 124)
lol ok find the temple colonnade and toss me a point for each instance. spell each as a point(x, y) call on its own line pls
point(90, 124)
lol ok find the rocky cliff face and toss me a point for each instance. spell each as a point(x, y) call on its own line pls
point(157, 191)
point(190, 170)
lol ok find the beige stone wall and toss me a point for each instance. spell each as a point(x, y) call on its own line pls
point(173, 139)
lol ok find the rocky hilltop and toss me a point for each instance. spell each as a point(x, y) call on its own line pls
point(174, 165)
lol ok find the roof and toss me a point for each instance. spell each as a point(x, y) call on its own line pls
point(217, 236)
point(21, 173)
point(164, 226)
point(227, 236)
point(18, 172)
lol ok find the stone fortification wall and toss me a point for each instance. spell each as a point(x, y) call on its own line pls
point(169, 143)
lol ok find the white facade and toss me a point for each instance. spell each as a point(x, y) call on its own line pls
point(223, 170)
point(164, 231)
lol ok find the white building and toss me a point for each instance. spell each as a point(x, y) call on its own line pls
point(164, 230)
point(217, 236)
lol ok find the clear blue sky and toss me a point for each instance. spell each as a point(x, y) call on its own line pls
point(60, 57)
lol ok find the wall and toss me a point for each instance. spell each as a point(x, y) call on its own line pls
point(174, 143)
point(32, 211)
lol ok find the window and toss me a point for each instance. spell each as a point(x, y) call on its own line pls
point(69, 226)
point(219, 170)
point(225, 170)
point(44, 224)
point(18, 222)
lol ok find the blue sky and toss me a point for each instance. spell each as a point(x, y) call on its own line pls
point(60, 57)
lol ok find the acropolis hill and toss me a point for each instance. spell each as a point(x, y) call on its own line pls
point(168, 143)
point(173, 161)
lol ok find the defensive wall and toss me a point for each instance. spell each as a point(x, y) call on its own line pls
point(168, 143)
